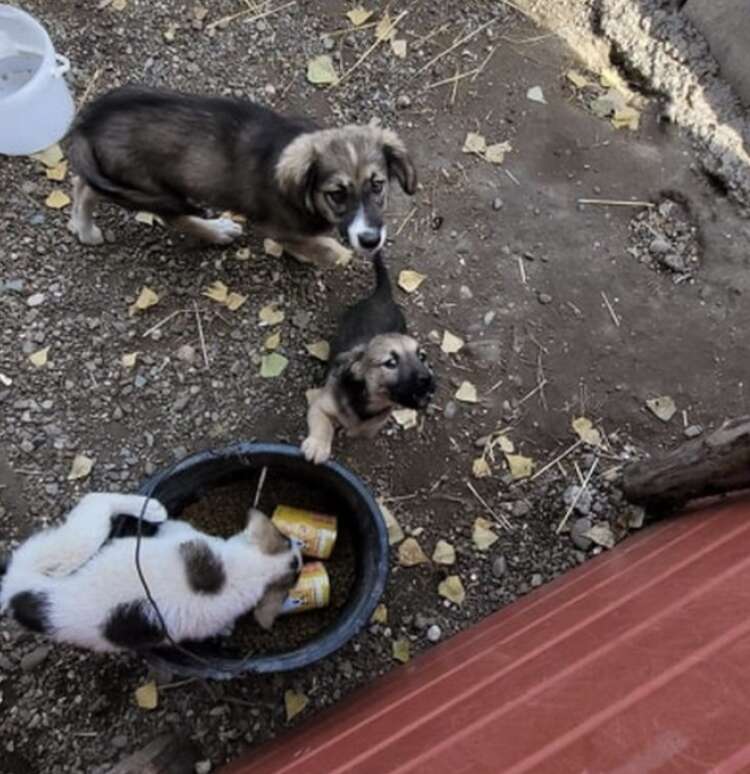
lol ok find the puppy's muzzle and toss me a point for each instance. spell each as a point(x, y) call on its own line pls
point(366, 236)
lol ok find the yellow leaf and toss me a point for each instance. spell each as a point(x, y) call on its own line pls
point(169, 33)
point(235, 301)
point(586, 431)
point(320, 349)
point(148, 218)
point(505, 444)
point(272, 365)
point(626, 118)
point(480, 468)
point(50, 157)
point(58, 172)
point(495, 154)
point(405, 418)
point(218, 292)
point(384, 28)
point(243, 254)
point(119, 5)
point(409, 280)
point(380, 614)
point(482, 534)
point(147, 696)
point(662, 407)
point(520, 466)
point(410, 553)
point(395, 533)
point(467, 393)
point(271, 315)
point(474, 143)
point(273, 341)
point(294, 703)
point(444, 553)
point(358, 15)
point(272, 248)
point(320, 70)
point(398, 46)
point(578, 80)
point(451, 344)
point(146, 298)
point(81, 467)
point(128, 360)
point(39, 358)
point(452, 589)
point(57, 200)
point(401, 650)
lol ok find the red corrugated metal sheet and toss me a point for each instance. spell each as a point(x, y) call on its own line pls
point(637, 662)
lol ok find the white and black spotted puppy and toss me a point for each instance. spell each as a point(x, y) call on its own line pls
point(78, 583)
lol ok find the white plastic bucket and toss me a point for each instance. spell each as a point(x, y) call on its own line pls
point(36, 108)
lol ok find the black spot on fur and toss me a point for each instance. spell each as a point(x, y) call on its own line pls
point(30, 609)
point(128, 626)
point(124, 525)
point(205, 572)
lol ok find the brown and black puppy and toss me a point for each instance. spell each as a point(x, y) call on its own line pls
point(174, 154)
point(375, 367)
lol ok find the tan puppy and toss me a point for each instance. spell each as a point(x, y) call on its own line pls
point(176, 154)
point(375, 367)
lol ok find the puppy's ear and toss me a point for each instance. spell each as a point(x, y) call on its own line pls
point(399, 162)
point(297, 171)
point(260, 531)
point(269, 607)
point(351, 363)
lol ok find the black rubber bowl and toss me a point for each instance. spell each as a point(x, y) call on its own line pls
point(194, 476)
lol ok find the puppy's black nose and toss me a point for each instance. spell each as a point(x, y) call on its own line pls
point(369, 239)
point(424, 380)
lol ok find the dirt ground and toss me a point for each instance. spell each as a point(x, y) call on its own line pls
point(514, 265)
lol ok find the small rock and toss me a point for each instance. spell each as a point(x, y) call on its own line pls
point(301, 319)
point(434, 633)
point(179, 453)
point(578, 532)
point(450, 409)
point(499, 566)
point(693, 431)
point(202, 767)
point(329, 43)
point(421, 621)
point(659, 246)
point(465, 292)
point(120, 741)
point(583, 505)
point(544, 298)
point(32, 660)
point(520, 509)
point(14, 285)
point(139, 381)
point(37, 299)
point(6, 665)
point(673, 262)
point(536, 580)
point(186, 353)
point(497, 203)
point(403, 102)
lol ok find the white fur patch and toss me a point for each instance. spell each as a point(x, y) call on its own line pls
point(360, 226)
point(221, 231)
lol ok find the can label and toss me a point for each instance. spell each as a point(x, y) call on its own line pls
point(312, 590)
point(316, 531)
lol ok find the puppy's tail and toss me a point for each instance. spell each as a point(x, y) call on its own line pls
point(84, 162)
point(383, 287)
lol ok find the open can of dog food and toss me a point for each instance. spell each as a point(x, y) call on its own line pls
point(316, 531)
point(312, 590)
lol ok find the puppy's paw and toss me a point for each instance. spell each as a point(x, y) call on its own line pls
point(92, 235)
point(155, 512)
point(343, 255)
point(222, 231)
point(315, 450)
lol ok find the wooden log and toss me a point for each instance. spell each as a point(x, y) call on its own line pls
point(167, 754)
point(717, 463)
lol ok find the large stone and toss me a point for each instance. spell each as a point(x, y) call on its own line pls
point(725, 24)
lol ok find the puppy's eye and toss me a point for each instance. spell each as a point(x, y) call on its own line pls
point(376, 185)
point(392, 361)
point(422, 355)
point(337, 197)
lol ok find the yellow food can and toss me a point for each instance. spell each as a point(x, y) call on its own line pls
point(312, 590)
point(316, 531)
